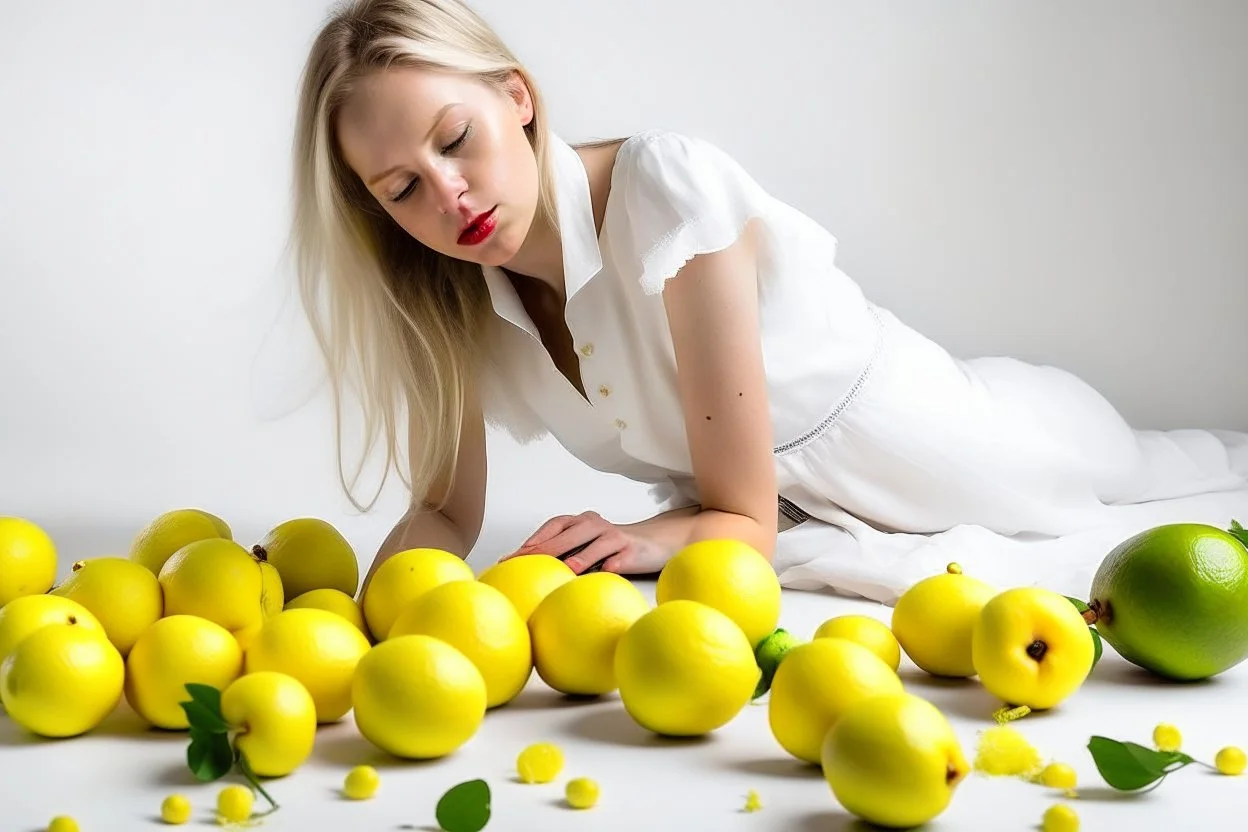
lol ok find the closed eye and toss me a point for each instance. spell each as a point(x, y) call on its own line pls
point(450, 148)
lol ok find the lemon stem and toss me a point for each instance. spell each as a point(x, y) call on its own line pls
point(1037, 649)
point(260, 552)
point(1096, 611)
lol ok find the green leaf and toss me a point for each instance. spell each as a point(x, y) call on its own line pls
point(1079, 605)
point(206, 695)
point(1096, 644)
point(465, 807)
point(1128, 766)
point(203, 719)
point(1239, 531)
point(209, 755)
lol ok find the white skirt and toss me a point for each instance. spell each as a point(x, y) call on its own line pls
point(1023, 474)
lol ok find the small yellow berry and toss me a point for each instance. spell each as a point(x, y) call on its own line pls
point(752, 801)
point(175, 810)
point(541, 762)
point(1167, 738)
point(1060, 818)
point(582, 793)
point(234, 804)
point(63, 823)
point(1058, 776)
point(954, 569)
point(361, 783)
point(1230, 760)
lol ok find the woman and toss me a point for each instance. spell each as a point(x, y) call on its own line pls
point(646, 302)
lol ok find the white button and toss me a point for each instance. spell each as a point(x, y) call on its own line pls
point(620, 424)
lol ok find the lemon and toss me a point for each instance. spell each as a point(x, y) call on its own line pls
point(275, 718)
point(22, 616)
point(402, 578)
point(730, 576)
point(27, 559)
point(61, 680)
point(1058, 776)
point(175, 810)
point(893, 760)
point(124, 597)
point(332, 600)
point(1060, 818)
point(576, 628)
point(171, 653)
point(318, 648)
point(62, 823)
point(234, 804)
point(540, 762)
point(871, 633)
point(361, 783)
point(219, 580)
point(309, 553)
point(816, 683)
point(527, 579)
point(581, 793)
point(684, 669)
point(417, 697)
point(1230, 761)
point(1167, 737)
point(935, 619)
point(158, 540)
point(481, 623)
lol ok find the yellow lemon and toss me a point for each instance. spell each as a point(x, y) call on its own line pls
point(175, 810)
point(275, 718)
point(402, 578)
point(27, 559)
point(158, 540)
point(481, 623)
point(22, 616)
point(933, 621)
point(871, 633)
point(527, 579)
point(234, 804)
point(576, 628)
point(331, 600)
point(124, 596)
point(729, 575)
point(62, 680)
point(540, 762)
point(172, 652)
point(815, 683)
point(893, 760)
point(219, 580)
point(684, 669)
point(417, 697)
point(310, 553)
point(1032, 647)
point(318, 648)
point(361, 783)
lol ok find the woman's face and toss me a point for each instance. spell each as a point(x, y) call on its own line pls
point(448, 159)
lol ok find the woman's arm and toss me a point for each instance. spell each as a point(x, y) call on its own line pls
point(457, 525)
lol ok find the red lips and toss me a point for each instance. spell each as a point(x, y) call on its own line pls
point(481, 227)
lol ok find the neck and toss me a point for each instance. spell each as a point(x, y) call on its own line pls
point(540, 257)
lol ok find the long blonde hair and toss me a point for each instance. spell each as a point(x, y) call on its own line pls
point(401, 321)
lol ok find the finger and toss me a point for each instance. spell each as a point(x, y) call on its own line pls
point(549, 529)
point(617, 563)
point(607, 546)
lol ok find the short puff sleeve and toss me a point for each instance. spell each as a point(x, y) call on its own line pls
point(678, 197)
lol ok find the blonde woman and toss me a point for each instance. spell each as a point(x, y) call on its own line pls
point(664, 317)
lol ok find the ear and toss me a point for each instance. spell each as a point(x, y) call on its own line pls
point(521, 97)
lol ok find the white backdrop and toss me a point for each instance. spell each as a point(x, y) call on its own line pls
point(1062, 182)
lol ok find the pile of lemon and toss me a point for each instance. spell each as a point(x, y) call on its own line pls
point(429, 648)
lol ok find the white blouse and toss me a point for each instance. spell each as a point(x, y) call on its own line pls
point(673, 197)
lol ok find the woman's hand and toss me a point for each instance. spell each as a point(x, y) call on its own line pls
point(618, 548)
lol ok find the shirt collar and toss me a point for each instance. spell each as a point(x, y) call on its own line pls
point(582, 257)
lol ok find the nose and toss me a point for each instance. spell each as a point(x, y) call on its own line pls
point(448, 187)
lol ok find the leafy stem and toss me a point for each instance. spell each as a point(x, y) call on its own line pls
point(212, 753)
point(1239, 532)
point(1128, 766)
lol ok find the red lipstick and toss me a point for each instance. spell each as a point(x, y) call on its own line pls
point(479, 229)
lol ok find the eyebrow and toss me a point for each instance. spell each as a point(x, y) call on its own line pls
point(437, 118)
